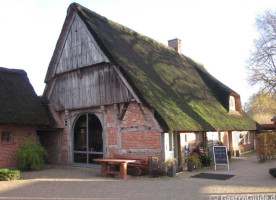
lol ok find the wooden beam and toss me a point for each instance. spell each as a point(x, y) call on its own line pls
point(126, 83)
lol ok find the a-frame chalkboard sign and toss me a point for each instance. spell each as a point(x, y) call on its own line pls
point(220, 156)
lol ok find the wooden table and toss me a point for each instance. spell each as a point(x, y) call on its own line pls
point(105, 162)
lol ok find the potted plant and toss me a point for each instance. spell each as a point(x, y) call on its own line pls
point(204, 146)
point(171, 166)
point(208, 160)
point(193, 162)
point(229, 154)
point(220, 143)
point(191, 166)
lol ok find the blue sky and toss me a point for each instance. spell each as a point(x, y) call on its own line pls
point(217, 33)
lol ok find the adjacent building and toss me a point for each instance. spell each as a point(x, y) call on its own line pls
point(21, 114)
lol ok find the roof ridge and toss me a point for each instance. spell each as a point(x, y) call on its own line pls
point(76, 5)
point(122, 27)
point(19, 71)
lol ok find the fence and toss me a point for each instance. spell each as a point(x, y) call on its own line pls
point(266, 145)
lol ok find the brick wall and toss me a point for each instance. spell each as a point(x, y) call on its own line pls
point(8, 150)
point(50, 141)
point(249, 146)
point(133, 117)
point(128, 129)
point(141, 139)
point(243, 147)
point(57, 145)
point(133, 133)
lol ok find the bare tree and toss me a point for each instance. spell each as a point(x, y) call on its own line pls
point(261, 103)
point(262, 69)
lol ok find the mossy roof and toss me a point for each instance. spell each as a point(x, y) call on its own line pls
point(185, 97)
point(18, 100)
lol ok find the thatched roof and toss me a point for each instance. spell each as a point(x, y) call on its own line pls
point(265, 120)
point(19, 103)
point(185, 97)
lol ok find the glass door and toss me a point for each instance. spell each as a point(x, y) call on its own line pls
point(88, 140)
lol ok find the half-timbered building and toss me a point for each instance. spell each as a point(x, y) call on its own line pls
point(119, 92)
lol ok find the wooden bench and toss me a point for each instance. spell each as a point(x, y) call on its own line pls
point(106, 163)
point(139, 167)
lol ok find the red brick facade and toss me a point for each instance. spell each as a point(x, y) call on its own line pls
point(132, 131)
point(141, 140)
point(248, 146)
point(135, 131)
point(56, 142)
point(133, 117)
point(8, 150)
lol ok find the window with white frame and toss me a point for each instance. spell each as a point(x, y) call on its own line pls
point(7, 136)
point(246, 137)
point(232, 105)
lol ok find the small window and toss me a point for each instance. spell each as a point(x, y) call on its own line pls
point(7, 136)
point(248, 137)
point(232, 105)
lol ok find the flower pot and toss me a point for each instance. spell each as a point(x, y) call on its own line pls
point(171, 171)
point(190, 166)
point(229, 154)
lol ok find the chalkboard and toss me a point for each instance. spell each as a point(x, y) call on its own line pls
point(220, 155)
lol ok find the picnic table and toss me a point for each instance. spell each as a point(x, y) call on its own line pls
point(106, 162)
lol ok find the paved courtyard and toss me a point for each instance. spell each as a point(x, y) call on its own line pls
point(61, 182)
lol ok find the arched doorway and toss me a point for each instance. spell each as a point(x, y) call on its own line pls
point(88, 140)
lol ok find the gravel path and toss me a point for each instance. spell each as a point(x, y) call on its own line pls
point(61, 182)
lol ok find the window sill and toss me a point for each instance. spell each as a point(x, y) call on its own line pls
point(234, 112)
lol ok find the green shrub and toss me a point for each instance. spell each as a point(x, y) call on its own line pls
point(266, 145)
point(7, 175)
point(272, 172)
point(31, 155)
point(195, 159)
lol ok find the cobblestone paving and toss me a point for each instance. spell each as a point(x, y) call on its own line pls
point(61, 182)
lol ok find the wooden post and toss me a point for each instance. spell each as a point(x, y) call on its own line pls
point(230, 141)
point(104, 168)
point(123, 170)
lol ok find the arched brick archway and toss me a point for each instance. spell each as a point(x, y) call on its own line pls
point(87, 139)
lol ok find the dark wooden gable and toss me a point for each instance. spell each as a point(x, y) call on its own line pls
point(92, 86)
point(83, 76)
point(80, 49)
